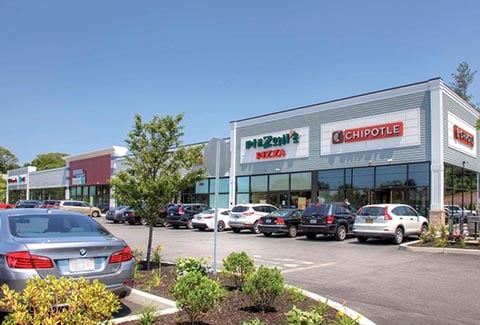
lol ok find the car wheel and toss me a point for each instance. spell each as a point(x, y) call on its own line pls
point(311, 236)
point(221, 226)
point(424, 228)
point(398, 239)
point(236, 230)
point(292, 231)
point(95, 214)
point(255, 227)
point(189, 224)
point(267, 234)
point(362, 239)
point(341, 233)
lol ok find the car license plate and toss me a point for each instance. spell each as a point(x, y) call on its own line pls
point(368, 220)
point(268, 221)
point(81, 264)
point(313, 220)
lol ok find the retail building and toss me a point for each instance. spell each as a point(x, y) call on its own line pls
point(413, 144)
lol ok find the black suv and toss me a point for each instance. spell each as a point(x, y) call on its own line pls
point(328, 219)
point(181, 215)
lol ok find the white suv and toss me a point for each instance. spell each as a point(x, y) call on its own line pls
point(78, 206)
point(395, 221)
point(247, 216)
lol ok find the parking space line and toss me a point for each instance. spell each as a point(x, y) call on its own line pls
point(309, 267)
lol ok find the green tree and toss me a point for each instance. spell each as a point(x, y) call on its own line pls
point(7, 160)
point(158, 168)
point(462, 80)
point(49, 160)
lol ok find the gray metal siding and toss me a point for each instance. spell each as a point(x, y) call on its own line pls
point(314, 120)
point(49, 178)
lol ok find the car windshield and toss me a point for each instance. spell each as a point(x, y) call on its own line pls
point(317, 209)
point(52, 225)
point(372, 211)
point(240, 208)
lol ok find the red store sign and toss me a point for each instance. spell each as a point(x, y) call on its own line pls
point(374, 132)
point(463, 136)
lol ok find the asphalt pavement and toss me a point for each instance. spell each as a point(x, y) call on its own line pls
point(377, 279)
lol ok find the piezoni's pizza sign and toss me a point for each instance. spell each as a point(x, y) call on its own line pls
point(273, 144)
point(286, 144)
point(374, 132)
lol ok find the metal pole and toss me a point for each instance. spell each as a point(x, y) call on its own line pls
point(463, 199)
point(217, 181)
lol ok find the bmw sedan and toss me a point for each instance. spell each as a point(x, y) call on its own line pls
point(62, 243)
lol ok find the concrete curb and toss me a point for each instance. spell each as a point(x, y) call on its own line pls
point(167, 306)
point(360, 319)
point(437, 250)
point(164, 306)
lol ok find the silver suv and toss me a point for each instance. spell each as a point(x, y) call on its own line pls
point(247, 216)
point(78, 206)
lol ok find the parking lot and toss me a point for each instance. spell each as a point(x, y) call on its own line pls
point(387, 285)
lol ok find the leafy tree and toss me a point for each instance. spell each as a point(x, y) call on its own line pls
point(462, 80)
point(49, 160)
point(7, 160)
point(158, 168)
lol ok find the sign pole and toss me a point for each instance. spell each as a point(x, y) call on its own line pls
point(215, 230)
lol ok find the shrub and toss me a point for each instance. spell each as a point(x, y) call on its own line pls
point(428, 236)
point(190, 264)
point(263, 286)
point(195, 293)
point(238, 266)
point(59, 301)
point(313, 317)
point(298, 316)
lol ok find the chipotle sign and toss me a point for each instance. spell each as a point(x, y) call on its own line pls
point(463, 136)
point(373, 132)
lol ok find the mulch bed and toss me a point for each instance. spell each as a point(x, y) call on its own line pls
point(234, 309)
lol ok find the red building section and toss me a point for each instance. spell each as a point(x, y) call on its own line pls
point(91, 171)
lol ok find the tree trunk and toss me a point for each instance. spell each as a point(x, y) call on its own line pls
point(149, 245)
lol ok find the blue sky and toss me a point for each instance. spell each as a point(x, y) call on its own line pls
point(74, 73)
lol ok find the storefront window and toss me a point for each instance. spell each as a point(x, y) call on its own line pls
point(259, 197)
point(259, 183)
point(301, 181)
point(330, 179)
point(363, 177)
point(243, 198)
point(279, 182)
point(222, 185)
point(222, 201)
point(419, 174)
point(243, 184)
point(201, 187)
point(391, 176)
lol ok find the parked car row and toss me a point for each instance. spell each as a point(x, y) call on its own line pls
point(336, 219)
point(68, 205)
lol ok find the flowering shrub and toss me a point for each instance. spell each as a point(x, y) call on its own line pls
point(459, 238)
point(190, 264)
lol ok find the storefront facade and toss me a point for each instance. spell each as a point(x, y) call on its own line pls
point(85, 177)
point(390, 146)
point(413, 144)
